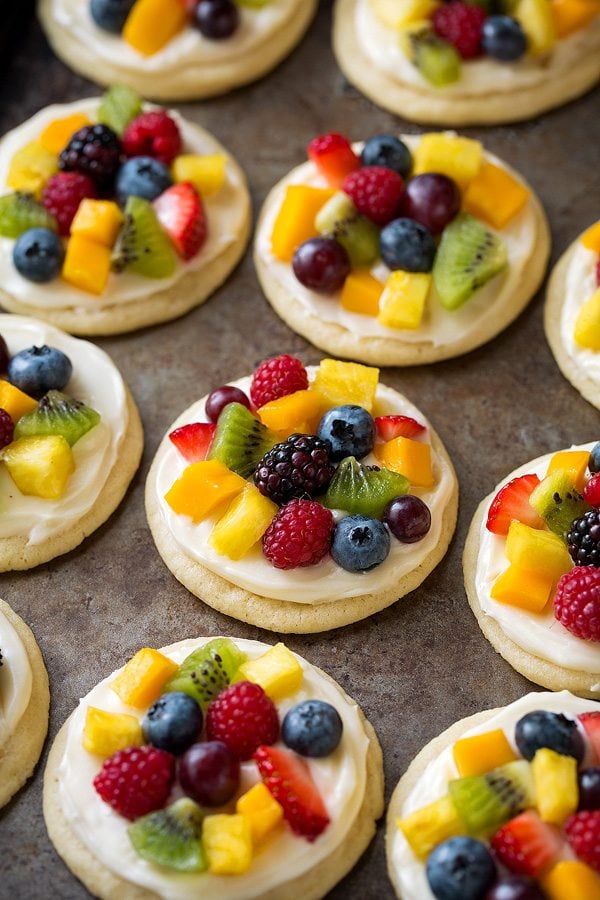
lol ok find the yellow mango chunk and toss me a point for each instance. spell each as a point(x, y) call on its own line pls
point(14, 401)
point(402, 302)
point(246, 520)
point(40, 465)
point(571, 880)
point(57, 134)
point(572, 461)
point(361, 293)
point(587, 326)
point(87, 264)
point(523, 588)
point(298, 412)
point(425, 828)
point(97, 220)
point(153, 23)
point(295, 222)
point(202, 488)
point(30, 168)
point(537, 22)
point(277, 671)
point(457, 157)
point(106, 732)
point(571, 15)
point(555, 781)
point(481, 753)
point(411, 458)
point(396, 14)
point(537, 550)
point(495, 196)
point(345, 382)
point(227, 842)
point(206, 173)
point(262, 811)
point(141, 680)
point(591, 237)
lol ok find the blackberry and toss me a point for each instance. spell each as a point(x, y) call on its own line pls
point(583, 539)
point(94, 150)
point(298, 467)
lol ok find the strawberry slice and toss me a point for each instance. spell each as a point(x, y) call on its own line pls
point(590, 722)
point(180, 212)
point(390, 427)
point(512, 502)
point(288, 779)
point(526, 845)
point(333, 156)
point(193, 441)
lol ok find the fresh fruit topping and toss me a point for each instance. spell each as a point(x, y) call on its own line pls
point(461, 25)
point(110, 15)
point(402, 303)
point(591, 237)
point(62, 195)
point(339, 219)
point(207, 671)
point(345, 382)
point(526, 845)
point(312, 728)
point(38, 255)
point(407, 245)
point(299, 535)
point(583, 834)
point(97, 220)
point(216, 19)
point(537, 21)
point(503, 38)
point(583, 539)
point(577, 602)
point(295, 222)
point(594, 460)
point(431, 199)
point(240, 439)
point(547, 729)
point(15, 402)
point(515, 887)
point(296, 467)
point(573, 462)
point(587, 324)
point(478, 754)
point(410, 458)
point(227, 839)
point(459, 158)
point(360, 543)
point(58, 414)
point(218, 399)
point(40, 466)
point(555, 781)
point(30, 168)
point(467, 258)
point(558, 502)
point(361, 292)
point(495, 196)
point(153, 134)
point(390, 427)
point(7, 428)
point(20, 211)
point(333, 156)
point(87, 264)
point(397, 16)
point(511, 503)
point(141, 680)
point(261, 809)
point(106, 732)
point(247, 518)
point(408, 518)
point(94, 150)
point(388, 151)
point(180, 212)
point(526, 588)
point(460, 867)
point(119, 105)
point(242, 717)
point(289, 781)
point(37, 370)
point(57, 132)
point(350, 431)
point(436, 59)
point(321, 264)
point(537, 550)
point(209, 773)
point(194, 440)
point(142, 246)
point(151, 24)
point(376, 192)
point(4, 356)
point(484, 802)
point(429, 826)
point(277, 671)
point(591, 491)
point(363, 490)
point(589, 786)
point(203, 488)
point(136, 781)
point(590, 722)
point(207, 172)
point(173, 722)
point(277, 377)
point(141, 176)
point(171, 837)
point(573, 879)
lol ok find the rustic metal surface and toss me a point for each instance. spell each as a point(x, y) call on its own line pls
point(423, 663)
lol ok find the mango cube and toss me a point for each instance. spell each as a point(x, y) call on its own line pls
point(40, 465)
point(106, 732)
point(537, 22)
point(591, 237)
point(361, 293)
point(587, 326)
point(277, 671)
point(30, 168)
point(153, 23)
point(396, 15)
point(97, 220)
point(14, 401)
point(262, 811)
point(425, 828)
point(481, 753)
point(206, 173)
point(571, 880)
point(495, 196)
point(203, 488)
point(537, 550)
point(411, 458)
point(574, 462)
point(57, 134)
point(141, 680)
point(556, 789)
point(87, 264)
point(523, 588)
point(298, 412)
point(346, 382)
point(402, 302)
point(571, 15)
point(295, 222)
point(227, 842)
point(457, 157)
point(246, 520)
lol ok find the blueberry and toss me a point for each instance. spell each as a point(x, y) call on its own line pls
point(312, 728)
point(350, 431)
point(389, 151)
point(547, 729)
point(141, 176)
point(110, 14)
point(38, 255)
point(38, 370)
point(360, 543)
point(594, 463)
point(173, 723)
point(589, 788)
point(406, 244)
point(460, 869)
point(503, 38)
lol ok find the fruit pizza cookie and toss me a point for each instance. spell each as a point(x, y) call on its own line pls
point(504, 805)
point(469, 61)
point(115, 215)
point(532, 569)
point(70, 441)
point(215, 768)
point(400, 251)
point(24, 702)
point(175, 49)
point(572, 314)
point(302, 500)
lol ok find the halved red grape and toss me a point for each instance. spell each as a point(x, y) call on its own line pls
point(321, 264)
point(431, 199)
point(218, 399)
point(209, 773)
point(408, 518)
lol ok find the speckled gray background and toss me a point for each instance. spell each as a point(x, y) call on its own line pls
point(418, 666)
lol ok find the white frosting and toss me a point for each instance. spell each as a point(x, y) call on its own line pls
point(325, 581)
point(439, 325)
point(580, 284)
point(537, 633)
point(433, 783)
point(97, 382)
point(224, 212)
point(479, 77)
point(15, 680)
point(340, 778)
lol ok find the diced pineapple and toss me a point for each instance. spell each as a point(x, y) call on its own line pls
point(587, 326)
point(346, 382)
point(537, 22)
point(555, 780)
point(396, 14)
point(361, 293)
point(459, 158)
point(481, 753)
point(277, 671)
point(261, 809)
point(591, 237)
point(153, 23)
point(203, 488)
point(87, 264)
point(97, 220)
point(30, 168)
point(571, 880)
point(574, 462)
point(495, 196)
point(14, 401)
point(106, 732)
point(402, 302)
point(141, 680)
point(523, 588)
point(247, 518)
point(227, 842)
point(298, 412)
point(40, 465)
point(429, 826)
point(57, 134)
point(206, 173)
point(411, 458)
point(295, 222)
point(571, 15)
point(537, 550)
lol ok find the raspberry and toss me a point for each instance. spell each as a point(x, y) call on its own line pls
point(94, 150)
point(243, 717)
point(136, 781)
point(376, 192)
point(461, 25)
point(584, 539)
point(299, 535)
point(577, 602)
point(296, 467)
point(63, 194)
point(276, 378)
point(153, 134)
point(591, 492)
point(583, 834)
point(6, 428)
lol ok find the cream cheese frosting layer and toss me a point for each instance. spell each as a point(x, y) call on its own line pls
point(580, 284)
point(225, 212)
point(341, 779)
point(97, 382)
point(433, 783)
point(15, 680)
point(540, 634)
point(326, 581)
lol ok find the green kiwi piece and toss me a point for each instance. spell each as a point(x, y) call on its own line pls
point(364, 490)
point(467, 257)
point(20, 211)
point(338, 209)
point(119, 105)
point(338, 218)
point(142, 246)
point(436, 59)
point(207, 671)
point(558, 502)
point(240, 440)
point(485, 802)
point(58, 414)
point(171, 837)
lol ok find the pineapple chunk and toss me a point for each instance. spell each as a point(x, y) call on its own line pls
point(346, 382)
point(495, 196)
point(141, 680)
point(591, 238)
point(246, 520)
point(97, 220)
point(105, 732)
point(574, 463)
point(402, 302)
point(587, 326)
point(481, 753)
point(361, 293)
point(30, 168)
point(261, 809)
point(295, 222)
point(206, 173)
point(227, 842)
point(87, 264)
point(537, 550)
point(153, 23)
point(396, 14)
point(40, 465)
point(537, 22)
point(14, 401)
point(429, 826)
point(571, 880)
point(203, 488)
point(521, 587)
point(277, 671)
point(410, 458)
point(298, 412)
point(555, 780)
point(57, 134)
point(457, 157)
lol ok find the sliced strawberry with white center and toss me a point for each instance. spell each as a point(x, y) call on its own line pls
point(180, 212)
point(288, 779)
point(194, 440)
point(390, 427)
point(511, 503)
point(526, 845)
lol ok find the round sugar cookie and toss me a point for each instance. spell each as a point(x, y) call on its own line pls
point(23, 719)
point(187, 67)
point(535, 644)
point(488, 92)
point(96, 847)
point(128, 300)
point(104, 459)
point(573, 282)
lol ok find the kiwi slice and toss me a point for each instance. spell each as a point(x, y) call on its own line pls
point(485, 802)
point(171, 837)
point(363, 490)
point(20, 211)
point(119, 105)
point(207, 671)
point(338, 218)
point(467, 257)
point(142, 246)
point(240, 440)
point(436, 59)
point(558, 502)
point(58, 414)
